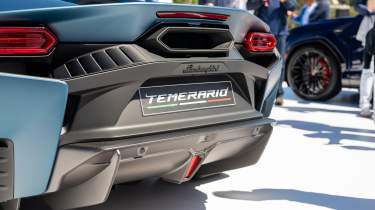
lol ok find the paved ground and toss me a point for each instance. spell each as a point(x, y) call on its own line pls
point(319, 157)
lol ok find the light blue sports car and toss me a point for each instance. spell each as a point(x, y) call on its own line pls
point(96, 95)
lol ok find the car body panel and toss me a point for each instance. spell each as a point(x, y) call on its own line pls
point(32, 110)
point(88, 131)
point(121, 22)
point(32, 4)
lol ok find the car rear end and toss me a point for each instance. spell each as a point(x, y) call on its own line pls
point(152, 90)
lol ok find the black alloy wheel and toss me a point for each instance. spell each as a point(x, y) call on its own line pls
point(313, 74)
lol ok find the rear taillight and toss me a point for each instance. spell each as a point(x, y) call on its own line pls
point(260, 42)
point(26, 41)
point(193, 15)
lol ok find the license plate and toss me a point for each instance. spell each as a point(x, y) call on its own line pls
point(185, 97)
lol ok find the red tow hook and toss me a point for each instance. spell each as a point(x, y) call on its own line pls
point(194, 163)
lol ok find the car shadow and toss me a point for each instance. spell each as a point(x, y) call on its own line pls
point(150, 194)
point(312, 110)
point(334, 134)
point(347, 97)
point(320, 199)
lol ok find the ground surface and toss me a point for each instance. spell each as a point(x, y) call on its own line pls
point(320, 156)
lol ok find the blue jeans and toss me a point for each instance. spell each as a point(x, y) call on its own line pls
point(281, 47)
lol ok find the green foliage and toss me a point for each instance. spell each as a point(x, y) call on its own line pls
point(299, 3)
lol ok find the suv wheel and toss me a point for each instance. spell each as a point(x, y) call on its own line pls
point(313, 74)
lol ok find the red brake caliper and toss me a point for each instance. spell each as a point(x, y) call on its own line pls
point(326, 72)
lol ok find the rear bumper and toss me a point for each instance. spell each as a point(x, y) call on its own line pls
point(88, 155)
point(89, 94)
point(94, 167)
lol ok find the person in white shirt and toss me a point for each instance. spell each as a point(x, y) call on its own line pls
point(367, 77)
point(304, 17)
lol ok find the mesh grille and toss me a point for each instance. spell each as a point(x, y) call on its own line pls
point(6, 172)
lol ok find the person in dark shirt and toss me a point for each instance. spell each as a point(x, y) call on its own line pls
point(321, 11)
point(275, 14)
point(239, 4)
point(206, 2)
point(361, 7)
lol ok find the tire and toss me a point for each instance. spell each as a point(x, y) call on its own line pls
point(315, 84)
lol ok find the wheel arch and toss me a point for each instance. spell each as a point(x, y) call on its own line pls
point(334, 86)
point(320, 42)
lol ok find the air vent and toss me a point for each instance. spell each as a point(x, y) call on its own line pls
point(99, 61)
point(6, 170)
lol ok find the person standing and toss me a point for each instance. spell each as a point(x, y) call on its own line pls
point(361, 7)
point(238, 4)
point(320, 12)
point(275, 14)
point(304, 16)
point(367, 77)
point(206, 2)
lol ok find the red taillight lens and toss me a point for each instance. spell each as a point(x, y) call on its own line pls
point(260, 42)
point(25, 41)
point(192, 15)
point(193, 166)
